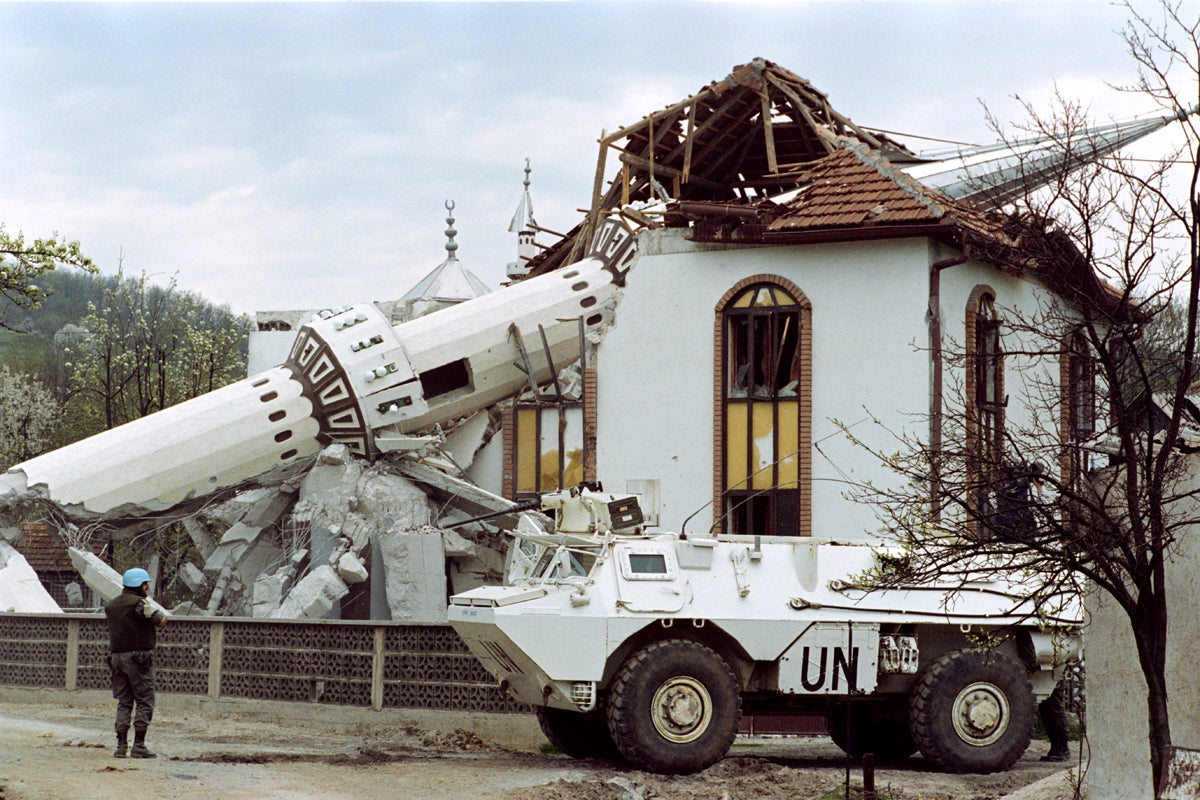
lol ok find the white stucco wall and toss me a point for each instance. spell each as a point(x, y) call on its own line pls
point(870, 357)
point(656, 376)
point(1117, 717)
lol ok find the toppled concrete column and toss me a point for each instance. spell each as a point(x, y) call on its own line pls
point(415, 567)
point(314, 596)
point(100, 577)
point(20, 589)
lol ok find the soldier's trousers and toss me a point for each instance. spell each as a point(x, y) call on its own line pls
point(133, 688)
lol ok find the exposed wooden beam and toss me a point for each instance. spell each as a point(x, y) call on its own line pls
point(768, 133)
point(688, 139)
point(662, 169)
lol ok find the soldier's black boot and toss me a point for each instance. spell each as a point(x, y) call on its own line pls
point(122, 744)
point(139, 749)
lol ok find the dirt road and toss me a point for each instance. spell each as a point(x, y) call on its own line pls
point(56, 749)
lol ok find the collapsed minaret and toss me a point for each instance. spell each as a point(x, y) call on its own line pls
point(351, 377)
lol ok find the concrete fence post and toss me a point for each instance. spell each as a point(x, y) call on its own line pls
point(216, 646)
point(377, 670)
point(72, 674)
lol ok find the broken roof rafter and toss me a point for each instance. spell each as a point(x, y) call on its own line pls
point(738, 137)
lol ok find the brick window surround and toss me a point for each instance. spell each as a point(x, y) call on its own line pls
point(804, 395)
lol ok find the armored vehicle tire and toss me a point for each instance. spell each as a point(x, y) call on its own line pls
point(875, 727)
point(578, 735)
point(674, 707)
point(972, 711)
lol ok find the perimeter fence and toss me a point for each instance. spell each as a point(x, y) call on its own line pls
point(369, 664)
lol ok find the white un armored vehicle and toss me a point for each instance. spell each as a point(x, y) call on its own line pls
point(651, 646)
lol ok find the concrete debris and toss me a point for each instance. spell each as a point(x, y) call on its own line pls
point(471, 564)
point(227, 583)
point(20, 589)
point(74, 593)
point(270, 588)
point(314, 596)
point(487, 567)
point(350, 569)
point(192, 576)
point(336, 455)
point(415, 574)
point(467, 438)
point(187, 609)
point(198, 532)
point(570, 383)
point(456, 546)
point(461, 494)
point(244, 547)
point(100, 577)
point(268, 592)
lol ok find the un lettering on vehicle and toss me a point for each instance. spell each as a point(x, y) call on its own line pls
point(831, 658)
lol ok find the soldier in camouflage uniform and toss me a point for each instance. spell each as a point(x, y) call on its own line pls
point(133, 625)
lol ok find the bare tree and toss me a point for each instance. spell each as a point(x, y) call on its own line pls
point(1106, 362)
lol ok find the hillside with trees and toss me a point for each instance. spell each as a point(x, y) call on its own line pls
point(102, 350)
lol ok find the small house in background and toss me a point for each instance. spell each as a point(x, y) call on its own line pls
point(46, 552)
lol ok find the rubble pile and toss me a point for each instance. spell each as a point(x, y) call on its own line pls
point(294, 549)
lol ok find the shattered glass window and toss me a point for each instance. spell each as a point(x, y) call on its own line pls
point(548, 450)
point(761, 415)
point(1081, 389)
point(986, 415)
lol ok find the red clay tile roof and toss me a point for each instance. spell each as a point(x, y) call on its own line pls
point(45, 549)
point(857, 187)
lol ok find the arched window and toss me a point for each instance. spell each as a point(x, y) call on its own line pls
point(763, 390)
point(1077, 415)
point(1080, 389)
point(985, 396)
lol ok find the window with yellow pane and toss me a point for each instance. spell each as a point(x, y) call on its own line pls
point(549, 448)
point(765, 396)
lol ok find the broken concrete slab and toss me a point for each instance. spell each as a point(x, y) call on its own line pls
point(414, 574)
point(461, 494)
point(456, 546)
point(314, 596)
point(244, 547)
point(192, 576)
point(20, 590)
point(350, 569)
point(198, 532)
point(269, 589)
point(465, 440)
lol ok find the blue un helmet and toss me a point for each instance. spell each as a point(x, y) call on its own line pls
point(135, 577)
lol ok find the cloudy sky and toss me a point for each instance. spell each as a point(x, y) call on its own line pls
point(293, 156)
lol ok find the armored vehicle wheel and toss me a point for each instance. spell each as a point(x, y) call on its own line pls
point(972, 711)
point(578, 735)
point(674, 707)
point(875, 727)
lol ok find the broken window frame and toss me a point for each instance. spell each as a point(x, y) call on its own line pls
point(528, 454)
point(762, 376)
point(1081, 389)
point(986, 403)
